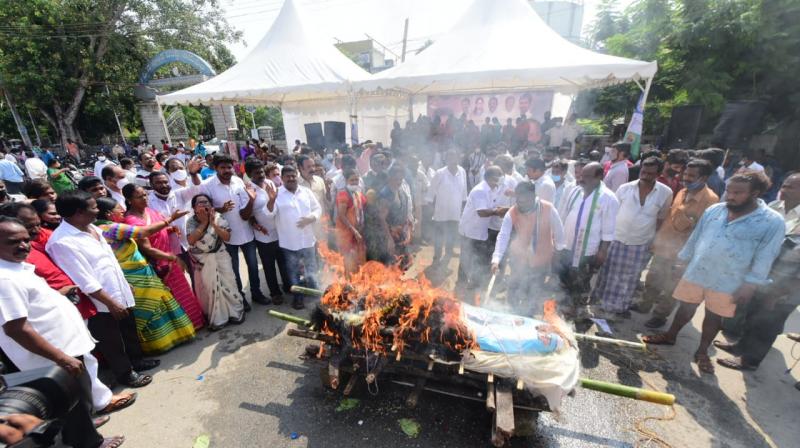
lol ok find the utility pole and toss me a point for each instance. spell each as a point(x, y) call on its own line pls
point(23, 131)
point(35, 129)
point(405, 41)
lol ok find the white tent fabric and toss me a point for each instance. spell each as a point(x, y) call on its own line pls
point(290, 63)
point(504, 45)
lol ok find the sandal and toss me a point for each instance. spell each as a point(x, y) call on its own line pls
point(658, 339)
point(145, 364)
point(725, 346)
point(135, 379)
point(793, 336)
point(112, 442)
point(704, 363)
point(119, 402)
point(736, 364)
point(100, 421)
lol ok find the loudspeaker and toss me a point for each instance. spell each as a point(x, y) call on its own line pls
point(683, 126)
point(335, 136)
point(737, 123)
point(314, 136)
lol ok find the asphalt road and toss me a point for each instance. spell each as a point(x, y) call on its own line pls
point(246, 386)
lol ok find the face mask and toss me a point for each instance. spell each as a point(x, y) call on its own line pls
point(277, 181)
point(556, 178)
point(50, 225)
point(525, 209)
point(122, 182)
point(179, 175)
point(101, 158)
point(353, 188)
point(695, 185)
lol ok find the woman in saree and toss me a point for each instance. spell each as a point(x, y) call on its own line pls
point(160, 322)
point(158, 249)
point(215, 283)
point(350, 204)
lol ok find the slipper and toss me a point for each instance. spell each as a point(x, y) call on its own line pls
point(100, 421)
point(704, 363)
point(119, 402)
point(735, 364)
point(658, 339)
point(135, 379)
point(112, 442)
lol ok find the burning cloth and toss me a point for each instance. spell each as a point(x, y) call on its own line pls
point(541, 354)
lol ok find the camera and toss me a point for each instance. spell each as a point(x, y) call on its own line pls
point(48, 393)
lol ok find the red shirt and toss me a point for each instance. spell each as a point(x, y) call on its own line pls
point(53, 275)
point(673, 182)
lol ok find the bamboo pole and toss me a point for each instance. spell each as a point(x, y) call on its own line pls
point(290, 318)
point(307, 291)
point(617, 342)
point(628, 392)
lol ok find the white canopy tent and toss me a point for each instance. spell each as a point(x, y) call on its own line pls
point(294, 68)
point(503, 45)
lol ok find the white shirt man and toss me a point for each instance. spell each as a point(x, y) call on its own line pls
point(617, 175)
point(545, 188)
point(262, 217)
point(503, 197)
point(472, 225)
point(636, 223)
point(25, 295)
point(177, 199)
point(101, 163)
point(289, 209)
point(35, 168)
point(241, 231)
point(90, 263)
point(603, 214)
point(448, 191)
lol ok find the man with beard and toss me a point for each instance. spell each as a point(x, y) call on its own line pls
point(42, 329)
point(163, 199)
point(148, 162)
point(103, 401)
point(229, 196)
point(774, 303)
point(294, 209)
point(687, 208)
point(643, 206)
point(78, 247)
point(531, 232)
point(728, 255)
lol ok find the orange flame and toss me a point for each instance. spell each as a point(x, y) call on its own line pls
point(394, 310)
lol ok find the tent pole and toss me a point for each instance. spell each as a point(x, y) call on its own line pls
point(411, 107)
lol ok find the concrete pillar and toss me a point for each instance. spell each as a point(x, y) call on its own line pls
point(224, 119)
point(153, 121)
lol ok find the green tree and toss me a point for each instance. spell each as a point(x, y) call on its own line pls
point(58, 56)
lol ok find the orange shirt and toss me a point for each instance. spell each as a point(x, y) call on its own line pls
point(686, 210)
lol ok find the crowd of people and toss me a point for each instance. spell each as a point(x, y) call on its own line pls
point(136, 259)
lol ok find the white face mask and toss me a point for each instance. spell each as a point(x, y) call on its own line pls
point(179, 175)
point(122, 182)
point(353, 188)
point(101, 158)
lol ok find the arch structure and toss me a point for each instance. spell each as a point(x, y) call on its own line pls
point(172, 126)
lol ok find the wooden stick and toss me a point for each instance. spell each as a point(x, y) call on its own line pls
point(307, 291)
point(617, 342)
point(413, 397)
point(490, 404)
point(504, 415)
point(489, 290)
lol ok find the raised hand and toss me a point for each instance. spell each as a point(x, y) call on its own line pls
point(227, 206)
point(251, 191)
point(178, 214)
point(202, 215)
point(272, 192)
point(195, 164)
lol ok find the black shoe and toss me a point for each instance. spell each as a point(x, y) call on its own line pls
point(145, 364)
point(297, 303)
point(277, 299)
point(247, 307)
point(639, 308)
point(238, 321)
point(260, 298)
point(655, 322)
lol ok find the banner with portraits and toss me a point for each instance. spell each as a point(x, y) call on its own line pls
point(478, 107)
